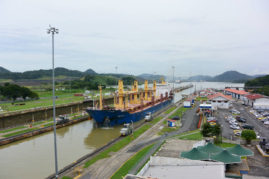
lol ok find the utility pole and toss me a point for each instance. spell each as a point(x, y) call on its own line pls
point(52, 31)
point(173, 68)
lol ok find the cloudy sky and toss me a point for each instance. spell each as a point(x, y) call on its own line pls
point(204, 37)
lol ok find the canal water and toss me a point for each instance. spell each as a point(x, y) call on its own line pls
point(33, 158)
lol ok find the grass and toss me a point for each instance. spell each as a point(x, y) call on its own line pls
point(170, 110)
point(194, 136)
point(188, 132)
point(19, 132)
point(12, 129)
point(40, 103)
point(49, 124)
point(155, 120)
point(65, 177)
point(201, 99)
point(178, 112)
point(38, 123)
point(131, 162)
point(63, 97)
point(117, 146)
point(225, 145)
point(167, 129)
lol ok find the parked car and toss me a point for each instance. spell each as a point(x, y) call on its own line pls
point(148, 117)
point(265, 120)
point(62, 119)
point(237, 132)
point(240, 119)
point(234, 127)
point(126, 130)
point(247, 126)
point(233, 123)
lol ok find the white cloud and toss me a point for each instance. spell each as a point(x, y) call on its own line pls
point(198, 37)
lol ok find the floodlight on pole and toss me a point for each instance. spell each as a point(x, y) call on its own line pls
point(173, 68)
point(52, 31)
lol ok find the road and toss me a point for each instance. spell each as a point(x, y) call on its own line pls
point(251, 119)
point(105, 168)
point(227, 132)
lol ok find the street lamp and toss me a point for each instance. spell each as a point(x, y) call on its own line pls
point(52, 31)
point(173, 68)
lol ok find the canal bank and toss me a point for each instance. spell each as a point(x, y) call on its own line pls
point(17, 118)
point(33, 157)
point(39, 131)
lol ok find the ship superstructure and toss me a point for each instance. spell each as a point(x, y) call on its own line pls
point(130, 105)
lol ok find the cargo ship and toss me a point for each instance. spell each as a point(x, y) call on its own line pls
point(133, 105)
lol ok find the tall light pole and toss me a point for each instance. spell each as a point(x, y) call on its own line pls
point(52, 31)
point(173, 68)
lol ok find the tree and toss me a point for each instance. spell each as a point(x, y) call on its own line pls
point(13, 91)
point(206, 130)
point(210, 131)
point(248, 135)
point(216, 130)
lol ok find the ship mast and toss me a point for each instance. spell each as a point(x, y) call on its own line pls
point(101, 98)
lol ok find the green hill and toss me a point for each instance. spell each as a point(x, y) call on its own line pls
point(262, 82)
point(3, 70)
point(228, 76)
point(39, 74)
point(232, 76)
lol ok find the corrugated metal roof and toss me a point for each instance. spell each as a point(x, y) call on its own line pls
point(254, 96)
point(241, 92)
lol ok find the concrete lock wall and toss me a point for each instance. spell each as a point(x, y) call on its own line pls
point(26, 117)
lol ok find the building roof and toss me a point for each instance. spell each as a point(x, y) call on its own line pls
point(165, 167)
point(195, 154)
point(171, 120)
point(254, 96)
point(240, 92)
point(210, 148)
point(219, 95)
point(226, 157)
point(240, 151)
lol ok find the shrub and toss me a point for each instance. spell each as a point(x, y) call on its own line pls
point(248, 135)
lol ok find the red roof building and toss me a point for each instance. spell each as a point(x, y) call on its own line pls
point(238, 94)
point(228, 97)
point(254, 96)
point(220, 100)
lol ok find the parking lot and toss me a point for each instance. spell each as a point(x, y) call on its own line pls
point(261, 129)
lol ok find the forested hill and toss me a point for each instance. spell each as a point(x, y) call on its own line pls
point(228, 76)
point(232, 76)
point(262, 82)
point(37, 74)
point(3, 70)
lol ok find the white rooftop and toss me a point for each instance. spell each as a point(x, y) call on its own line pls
point(165, 168)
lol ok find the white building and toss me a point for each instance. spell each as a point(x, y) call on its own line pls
point(162, 88)
point(237, 94)
point(220, 101)
point(257, 101)
point(166, 168)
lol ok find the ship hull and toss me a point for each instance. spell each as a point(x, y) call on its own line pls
point(117, 117)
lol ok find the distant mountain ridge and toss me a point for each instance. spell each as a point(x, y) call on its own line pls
point(36, 74)
point(151, 76)
point(228, 76)
point(232, 76)
point(3, 70)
